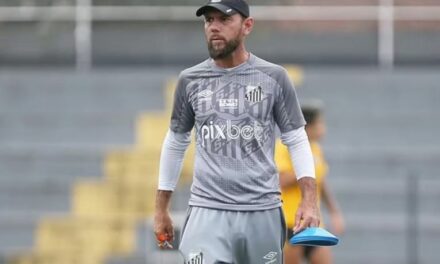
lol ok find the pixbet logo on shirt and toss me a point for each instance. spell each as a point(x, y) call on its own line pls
point(230, 131)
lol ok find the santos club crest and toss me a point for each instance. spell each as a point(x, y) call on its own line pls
point(195, 258)
point(254, 94)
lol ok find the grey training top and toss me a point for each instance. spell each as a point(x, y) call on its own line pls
point(235, 112)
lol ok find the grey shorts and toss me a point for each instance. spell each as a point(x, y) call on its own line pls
point(212, 236)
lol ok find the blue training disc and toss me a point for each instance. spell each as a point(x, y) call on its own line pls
point(314, 236)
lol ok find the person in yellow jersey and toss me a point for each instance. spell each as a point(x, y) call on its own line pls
point(291, 193)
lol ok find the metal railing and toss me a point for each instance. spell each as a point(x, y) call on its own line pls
point(84, 13)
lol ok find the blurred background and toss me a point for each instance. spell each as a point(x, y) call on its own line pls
point(85, 93)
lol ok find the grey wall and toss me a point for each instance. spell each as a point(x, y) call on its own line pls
point(146, 43)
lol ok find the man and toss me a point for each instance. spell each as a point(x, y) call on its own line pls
point(234, 100)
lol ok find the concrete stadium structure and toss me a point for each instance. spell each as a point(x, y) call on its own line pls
point(57, 126)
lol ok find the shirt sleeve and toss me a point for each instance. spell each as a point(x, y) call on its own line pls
point(287, 111)
point(300, 152)
point(171, 159)
point(182, 117)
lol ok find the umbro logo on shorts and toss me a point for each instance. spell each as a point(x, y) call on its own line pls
point(270, 257)
point(254, 94)
point(195, 258)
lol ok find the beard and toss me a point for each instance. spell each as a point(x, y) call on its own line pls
point(226, 51)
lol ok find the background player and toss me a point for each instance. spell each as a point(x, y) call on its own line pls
point(291, 193)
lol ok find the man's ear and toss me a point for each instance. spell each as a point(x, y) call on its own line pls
point(248, 25)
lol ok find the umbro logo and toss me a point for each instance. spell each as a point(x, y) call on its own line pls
point(270, 257)
point(205, 94)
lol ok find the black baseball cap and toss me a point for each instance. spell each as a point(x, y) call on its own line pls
point(227, 7)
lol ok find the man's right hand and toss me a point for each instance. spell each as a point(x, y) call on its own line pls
point(163, 229)
point(163, 226)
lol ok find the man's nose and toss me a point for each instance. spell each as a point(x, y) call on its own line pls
point(215, 26)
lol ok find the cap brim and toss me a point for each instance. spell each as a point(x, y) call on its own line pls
point(222, 8)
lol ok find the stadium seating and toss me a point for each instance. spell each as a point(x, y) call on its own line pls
point(381, 128)
point(104, 212)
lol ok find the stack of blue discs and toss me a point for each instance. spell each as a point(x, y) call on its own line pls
point(314, 236)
